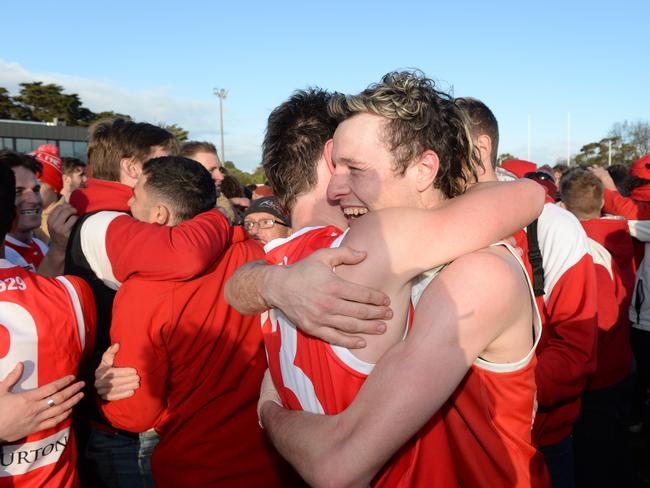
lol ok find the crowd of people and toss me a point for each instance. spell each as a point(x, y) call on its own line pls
point(393, 308)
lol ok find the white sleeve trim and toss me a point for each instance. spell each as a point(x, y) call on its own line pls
point(93, 246)
point(76, 304)
point(640, 229)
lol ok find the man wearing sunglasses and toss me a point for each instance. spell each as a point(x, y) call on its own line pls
point(265, 220)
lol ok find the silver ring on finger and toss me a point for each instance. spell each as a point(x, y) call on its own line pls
point(50, 402)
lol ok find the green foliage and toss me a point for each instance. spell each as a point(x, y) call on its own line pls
point(48, 102)
point(244, 177)
point(180, 133)
point(505, 157)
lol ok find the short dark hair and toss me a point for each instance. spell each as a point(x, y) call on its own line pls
point(190, 148)
point(68, 165)
point(481, 122)
point(7, 200)
point(231, 187)
point(111, 140)
point(182, 183)
point(12, 159)
point(296, 134)
point(581, 191)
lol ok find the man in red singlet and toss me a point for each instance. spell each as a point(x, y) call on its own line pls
point(368, 176)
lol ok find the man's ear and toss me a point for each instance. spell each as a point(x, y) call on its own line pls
point(484, 145)
point(327, 154)
point(162, 214)
point(427, 170)
point(130, 167)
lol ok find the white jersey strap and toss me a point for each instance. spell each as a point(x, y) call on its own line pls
point(76, 304)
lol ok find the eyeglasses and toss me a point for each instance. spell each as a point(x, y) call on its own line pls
point(262, 224)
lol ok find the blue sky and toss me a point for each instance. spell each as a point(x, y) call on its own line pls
point(159, 61)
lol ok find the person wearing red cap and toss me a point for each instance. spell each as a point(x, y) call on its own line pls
point(51, 184)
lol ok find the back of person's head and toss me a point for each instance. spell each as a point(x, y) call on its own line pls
point(190, 148)
point(295, 137)
point(231, 187)
point(12, 159)
point(481, 122)
point(420, 118)
point(582, 193)
point(182, 183)
point(112, 140)
point(69, 165)
point(621, 177)
point(7, 200)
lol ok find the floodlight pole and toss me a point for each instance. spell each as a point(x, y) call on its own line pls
point(222, 94)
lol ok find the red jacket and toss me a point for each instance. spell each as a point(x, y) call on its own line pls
point(201, 364)
point(566, 354)
point(612, 251)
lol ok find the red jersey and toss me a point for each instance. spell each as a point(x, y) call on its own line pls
point(489, 417)
point(566, 356)
point(47, 323)
point(317, 377)
point(201, 364)
point(27, 256)
point(615, 282)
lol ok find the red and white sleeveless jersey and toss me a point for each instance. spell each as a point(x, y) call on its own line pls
point(318, 377)
point(27, 256)
point(46, 323)
point(489, 418)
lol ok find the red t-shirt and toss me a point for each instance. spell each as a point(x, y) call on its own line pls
point(317, 377)
point(201, 365)
point(47, 323)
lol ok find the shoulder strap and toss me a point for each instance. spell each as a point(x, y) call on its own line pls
point(535, 258)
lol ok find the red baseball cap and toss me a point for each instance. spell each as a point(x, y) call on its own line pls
point(641, 167)
point(48, 155)
point(518, 167)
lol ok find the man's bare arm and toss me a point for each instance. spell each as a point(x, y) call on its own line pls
point(310, 293)
point(460, 313)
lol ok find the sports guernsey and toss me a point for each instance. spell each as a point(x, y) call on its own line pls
point(489, 417)
point(27, 256)
point(48, 324)
point(317, 377)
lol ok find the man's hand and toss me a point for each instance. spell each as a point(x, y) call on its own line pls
point(604, 176)
point(268, 393)
point(24, 413)
point(324, 305)
point(115, 383)
point(60, 223)
point(241, 201)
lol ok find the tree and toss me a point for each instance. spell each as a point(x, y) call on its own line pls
point(180, 133)
point(9, 109)
point(48, 102)
point(599, 153)
point(635, 134)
